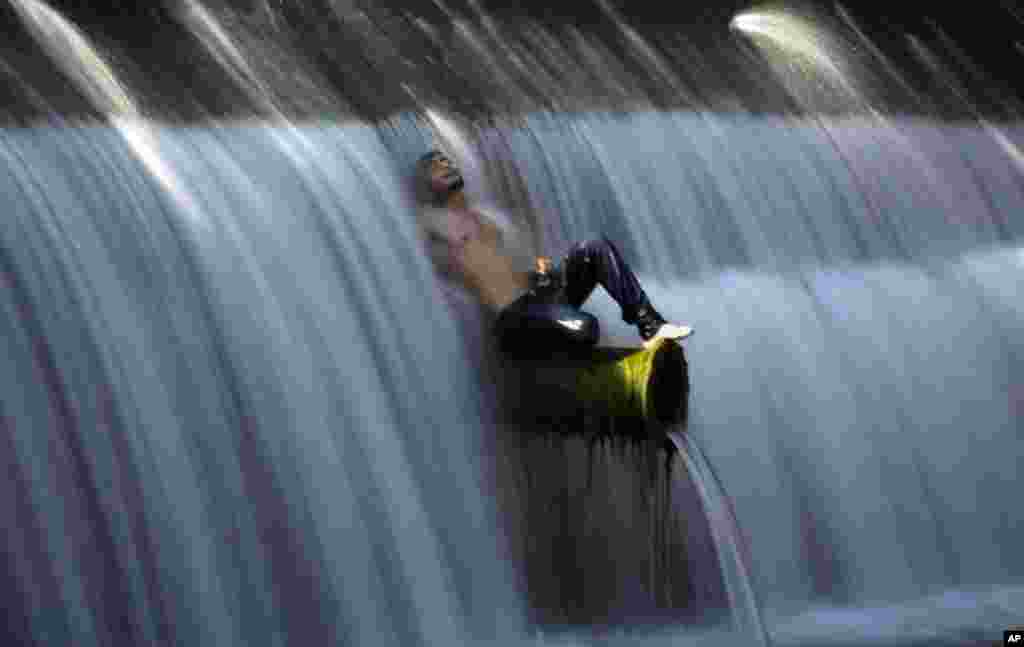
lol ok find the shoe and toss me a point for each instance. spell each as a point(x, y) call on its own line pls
point(653, 327)
point(668, 331)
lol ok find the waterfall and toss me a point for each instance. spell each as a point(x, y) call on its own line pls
point(221, 434)
point(239, 408)
point(856, 369)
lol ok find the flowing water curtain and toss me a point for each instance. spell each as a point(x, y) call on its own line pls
point(868, 288)
point(307, 441)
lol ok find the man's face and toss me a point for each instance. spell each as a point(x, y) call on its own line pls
point(445, 177)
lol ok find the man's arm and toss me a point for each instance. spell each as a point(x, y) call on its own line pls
point(495, 237)
point(500, 233)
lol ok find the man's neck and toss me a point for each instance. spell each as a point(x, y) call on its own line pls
point(456, 200)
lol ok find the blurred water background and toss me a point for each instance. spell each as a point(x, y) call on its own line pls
point(238, 408)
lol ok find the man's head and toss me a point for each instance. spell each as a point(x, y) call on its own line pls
point(437, 178)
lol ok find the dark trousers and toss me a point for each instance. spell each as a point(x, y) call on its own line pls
point(536, 321)
point(598, 262)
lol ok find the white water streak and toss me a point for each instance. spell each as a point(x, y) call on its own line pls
point(224, 50)
point(82, 63)
point(70, 50)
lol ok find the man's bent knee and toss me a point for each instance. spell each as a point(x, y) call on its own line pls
point(591, 247)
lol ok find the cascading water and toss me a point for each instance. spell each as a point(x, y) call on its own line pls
point(194, 472)
point(856, 370)
point(237, 408)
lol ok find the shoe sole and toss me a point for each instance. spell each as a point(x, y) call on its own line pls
point(654, 340)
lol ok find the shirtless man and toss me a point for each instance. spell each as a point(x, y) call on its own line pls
point(471, 249)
